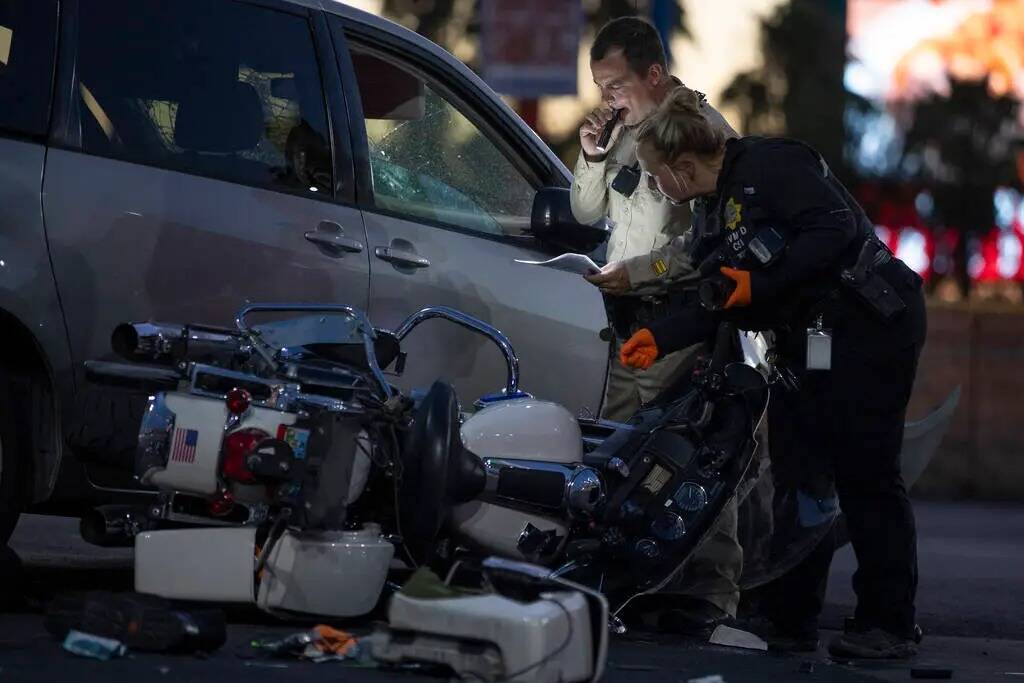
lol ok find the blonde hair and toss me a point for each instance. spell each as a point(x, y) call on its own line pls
point(679, 125)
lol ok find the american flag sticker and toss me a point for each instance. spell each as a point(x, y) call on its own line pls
point(183, 448)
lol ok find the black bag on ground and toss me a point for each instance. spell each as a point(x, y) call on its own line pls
point(141, 622)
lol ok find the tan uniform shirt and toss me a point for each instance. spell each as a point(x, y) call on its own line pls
point(641, 222)
point(652, 272)
point(648, 232)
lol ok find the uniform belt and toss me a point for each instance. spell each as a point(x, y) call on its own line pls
point(629, 314)
point(655, 307)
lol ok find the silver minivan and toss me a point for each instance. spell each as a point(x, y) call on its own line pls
point(175, 159)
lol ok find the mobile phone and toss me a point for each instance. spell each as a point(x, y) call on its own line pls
point(606, 133)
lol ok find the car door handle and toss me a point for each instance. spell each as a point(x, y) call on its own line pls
point(401, 257)
point(334, 240)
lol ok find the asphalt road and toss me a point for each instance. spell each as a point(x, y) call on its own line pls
point(971, 605)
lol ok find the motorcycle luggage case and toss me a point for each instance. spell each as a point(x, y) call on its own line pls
point(197, 564)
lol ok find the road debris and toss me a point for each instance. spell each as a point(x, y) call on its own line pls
point(633, 667)
point(707, 679)
point(94, 647)
point(320, 644)
point(734, 637)
point(141, 622)
point(266, 665)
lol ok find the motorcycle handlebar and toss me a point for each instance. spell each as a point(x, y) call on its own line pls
point(475, 325)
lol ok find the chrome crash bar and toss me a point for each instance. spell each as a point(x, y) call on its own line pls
point(365, 328)
point(475, 325)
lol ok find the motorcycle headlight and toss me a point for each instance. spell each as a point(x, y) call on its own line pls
point(154, 438)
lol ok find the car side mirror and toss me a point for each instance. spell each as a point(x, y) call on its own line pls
point(552, 222)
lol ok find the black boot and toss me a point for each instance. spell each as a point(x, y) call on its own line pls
point(863, 641)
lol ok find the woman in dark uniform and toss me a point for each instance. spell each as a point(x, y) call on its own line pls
point(795, 255)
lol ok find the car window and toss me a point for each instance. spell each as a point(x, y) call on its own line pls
point(429, 161)
point(28, 30)
point(217, 88)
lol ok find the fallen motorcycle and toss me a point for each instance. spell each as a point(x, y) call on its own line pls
point(289, 471)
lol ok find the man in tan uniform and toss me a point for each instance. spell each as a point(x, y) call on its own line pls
point(628, 63)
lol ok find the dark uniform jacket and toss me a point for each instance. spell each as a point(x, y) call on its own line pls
point(782, 192)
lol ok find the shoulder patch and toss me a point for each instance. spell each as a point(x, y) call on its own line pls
point(733, 214)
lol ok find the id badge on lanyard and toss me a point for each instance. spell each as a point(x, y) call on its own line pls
point(819, 347)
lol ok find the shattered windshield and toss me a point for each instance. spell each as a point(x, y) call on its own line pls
point(429, 161)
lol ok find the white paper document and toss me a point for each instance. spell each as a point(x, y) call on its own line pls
point(734, 637)
point(571, 263)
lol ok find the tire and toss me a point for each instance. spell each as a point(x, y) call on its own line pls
point(105, 426)
point(15, 450)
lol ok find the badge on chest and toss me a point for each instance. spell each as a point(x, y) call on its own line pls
point(750, 240)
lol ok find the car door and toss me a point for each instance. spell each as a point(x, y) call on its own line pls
point(446, 214)
point(195, 168)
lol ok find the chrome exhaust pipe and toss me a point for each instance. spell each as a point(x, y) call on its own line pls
point(170, 343)
point(148, 341)
point(113, 526)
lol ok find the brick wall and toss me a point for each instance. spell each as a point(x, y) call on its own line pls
point(982, 351)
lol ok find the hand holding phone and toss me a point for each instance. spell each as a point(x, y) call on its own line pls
point(597, 133)
point(606, 134)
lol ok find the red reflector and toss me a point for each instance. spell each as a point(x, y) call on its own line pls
point(238, 401)
point(237, 447)
point(219, 507)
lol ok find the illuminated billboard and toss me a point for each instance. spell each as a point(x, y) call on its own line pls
point(937, 79)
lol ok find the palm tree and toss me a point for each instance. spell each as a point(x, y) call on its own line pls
point(961, 147)
point(799, 89)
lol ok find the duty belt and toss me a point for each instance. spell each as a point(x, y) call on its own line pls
point(629, 314)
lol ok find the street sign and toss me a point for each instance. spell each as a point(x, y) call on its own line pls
point(530, 48)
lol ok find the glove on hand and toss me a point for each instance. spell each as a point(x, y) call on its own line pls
point(640, 351)
point(740, 296)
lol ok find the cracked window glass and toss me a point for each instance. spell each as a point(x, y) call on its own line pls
point(429, 161)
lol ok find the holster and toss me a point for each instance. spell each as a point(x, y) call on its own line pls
point(627, 314)
point(622, 315)
point(872, 280)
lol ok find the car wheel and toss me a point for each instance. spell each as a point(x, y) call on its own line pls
point(15, 415)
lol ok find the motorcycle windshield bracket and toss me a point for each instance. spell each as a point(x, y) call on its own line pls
point(363, 325)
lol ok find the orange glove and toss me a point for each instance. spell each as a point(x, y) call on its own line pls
point(742, 294)
point(640, 351)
